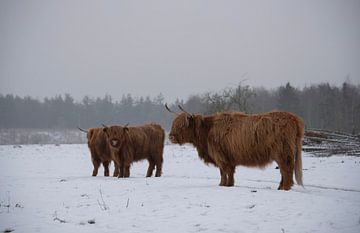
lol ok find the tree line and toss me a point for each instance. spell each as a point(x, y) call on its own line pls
point(322, 106)
point(63, 112)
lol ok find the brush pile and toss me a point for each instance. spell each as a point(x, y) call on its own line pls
point(328, 143)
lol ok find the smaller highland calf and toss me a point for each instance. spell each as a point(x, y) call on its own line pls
point(100, 151)
point(230, 139)
point(131, 144)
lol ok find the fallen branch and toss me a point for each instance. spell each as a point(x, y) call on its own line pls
point(102, 205)
point(58, 219)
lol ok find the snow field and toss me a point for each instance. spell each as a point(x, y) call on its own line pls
point(50, 189)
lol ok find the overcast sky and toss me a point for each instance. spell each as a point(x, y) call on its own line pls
point(176, 48)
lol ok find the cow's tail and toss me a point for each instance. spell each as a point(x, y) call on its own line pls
point(298, 159)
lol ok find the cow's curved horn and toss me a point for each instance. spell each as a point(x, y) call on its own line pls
point(82, 130)
point(181, 108)
point(167, 108)
point(105, 126)
point(125, 127)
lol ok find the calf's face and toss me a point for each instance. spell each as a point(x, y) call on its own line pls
point(115, 136)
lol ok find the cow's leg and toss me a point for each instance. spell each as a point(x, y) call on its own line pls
point(106, 168)
point(286, 180)
point(287, 171)
point(127, 171)
point(230, 174)
point(223, 180)
point(282, 176)
point(158, 169)
point(96, 164)
point(150, 168)
point(281, 183)
point(122, 169)
point(121, 173)
point(116, 170)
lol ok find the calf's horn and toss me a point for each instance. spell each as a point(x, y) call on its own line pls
point(82, 130)
point(167, 108)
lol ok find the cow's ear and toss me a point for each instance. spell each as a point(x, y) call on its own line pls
point(189, 120)
point(105, 130)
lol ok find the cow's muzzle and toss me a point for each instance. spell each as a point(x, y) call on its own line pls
point(114, 142)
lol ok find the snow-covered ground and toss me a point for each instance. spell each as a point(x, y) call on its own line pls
point(49, 189)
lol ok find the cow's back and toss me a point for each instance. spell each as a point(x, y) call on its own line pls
point(147, 139)
point(253, 140)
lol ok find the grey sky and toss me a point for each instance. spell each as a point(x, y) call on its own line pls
point(177, 48)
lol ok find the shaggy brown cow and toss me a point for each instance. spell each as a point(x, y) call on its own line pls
point(131, 144)
point(100, 151)
point(231, 139)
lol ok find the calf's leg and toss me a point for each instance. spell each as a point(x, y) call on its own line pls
point(223, 175)
point(116, 170)
point(127, 171)
point(230, 176)
point(96, 164)
point(158, 169)
point(106, 168)
point(121, 167)
point(150, 168)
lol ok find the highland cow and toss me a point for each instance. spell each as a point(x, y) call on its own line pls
point(100, 151)
point(230, 139)
point(131, 144)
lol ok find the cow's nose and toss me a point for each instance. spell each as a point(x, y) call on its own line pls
point(114, 142)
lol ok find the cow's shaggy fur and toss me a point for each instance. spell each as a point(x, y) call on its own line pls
point(230, 139)
point(100, 151)
point(130, 144)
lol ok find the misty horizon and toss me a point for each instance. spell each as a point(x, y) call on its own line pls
point(79, 99)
